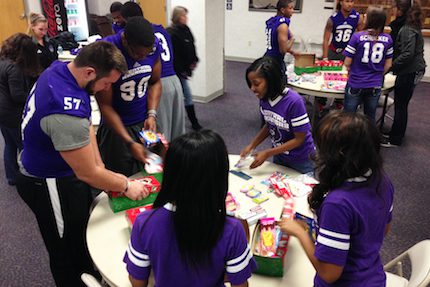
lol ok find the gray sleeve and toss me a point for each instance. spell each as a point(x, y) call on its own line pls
point(66, 132)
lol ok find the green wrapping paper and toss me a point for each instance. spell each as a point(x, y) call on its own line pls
point(121, 203)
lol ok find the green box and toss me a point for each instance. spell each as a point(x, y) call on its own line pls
point(118, 204)
point(332, 68)
point(269, 266)
point(306, 70)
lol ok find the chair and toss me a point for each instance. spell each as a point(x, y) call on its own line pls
point(419, 255)
point(385, 102)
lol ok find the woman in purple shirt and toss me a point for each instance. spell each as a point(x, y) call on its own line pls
point(187, 240)
point(353, 203)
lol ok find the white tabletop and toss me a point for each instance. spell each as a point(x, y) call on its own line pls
point(108, 234)
point(66, 56)
point(316, 88)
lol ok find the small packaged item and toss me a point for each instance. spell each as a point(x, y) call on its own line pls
point(154, 163)
point(253, 215)
point(309, 223)
point(267, 246)
point(231, 204)
point(149, 138)
point(246, 188)
point(245, 161)
point(288, 210)
point(253, 193)
point(260, 199)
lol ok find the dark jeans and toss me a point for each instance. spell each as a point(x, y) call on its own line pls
point(403, 90)
point(12, 145)
point(62, 208)
point(368, 97)
point(302, 167)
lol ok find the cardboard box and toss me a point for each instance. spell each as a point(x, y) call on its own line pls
point(305, 63)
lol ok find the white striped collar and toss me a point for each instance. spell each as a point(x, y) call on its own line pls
point(278, 98)
point(170, 206)
point(362, 178)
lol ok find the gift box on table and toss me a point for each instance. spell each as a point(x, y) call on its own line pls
point(330, 65)
point(132, 214)
point(119, 202)
point(305, 64)
point(269, 265)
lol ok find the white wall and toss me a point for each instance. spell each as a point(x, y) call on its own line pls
point(245, 36)
point(207, 81)
point(32, 6)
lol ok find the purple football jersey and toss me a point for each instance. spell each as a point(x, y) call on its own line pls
point(351, 225)
point(166, 51)
point(117, 28)
point(284, 116)
point(55, 92)
point(153, 246)
point(342, 30)
point(368, 55)
point(272, 44)
point(130, 92)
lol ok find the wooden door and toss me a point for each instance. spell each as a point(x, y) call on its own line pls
point(13, 19)
point(154, 11)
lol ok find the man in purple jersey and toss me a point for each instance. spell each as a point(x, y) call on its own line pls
point(340, 26)
point(171, 111)
point(61, 160)
point(368, 57)
point(279, 37)
point(131, 104)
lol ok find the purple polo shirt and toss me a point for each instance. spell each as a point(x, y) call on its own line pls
point(368, 54)
point(351, 225)
point(153, 246)
point(284, 116)
point(55, 92)
point(342, 30)
point(272, 44)
point(130, 92)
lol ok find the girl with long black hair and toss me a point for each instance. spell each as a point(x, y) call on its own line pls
point(353, 203)
point(187, 240)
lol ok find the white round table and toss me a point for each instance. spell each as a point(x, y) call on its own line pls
point(108, 234)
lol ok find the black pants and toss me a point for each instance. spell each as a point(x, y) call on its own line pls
point(403, 90)
point(115, 153)
point(61, 207)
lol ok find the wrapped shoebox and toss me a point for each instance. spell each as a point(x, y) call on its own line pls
point(119, 202)
point(269, 264)
point(132, 214)
point(305, 64)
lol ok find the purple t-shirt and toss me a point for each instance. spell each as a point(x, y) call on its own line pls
point(153, 246)
point(284, 116)
point(272, 44)
point(351, 225)
point(342, 30)
point(56, 92)
point(130, 92)
point(166, 55)
point(368, 55)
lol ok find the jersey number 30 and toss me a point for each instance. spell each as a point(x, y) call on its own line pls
point(165, 55)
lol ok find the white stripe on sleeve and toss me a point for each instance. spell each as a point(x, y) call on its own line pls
point(334, 234)
point(137, 253)
point(300, 123)
point(240, 258)
point(332, 243)
point(136, 261)
point(349, 50)
point(241, 266)
point(299, 118)
point(391, 208)
point(390, 51)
